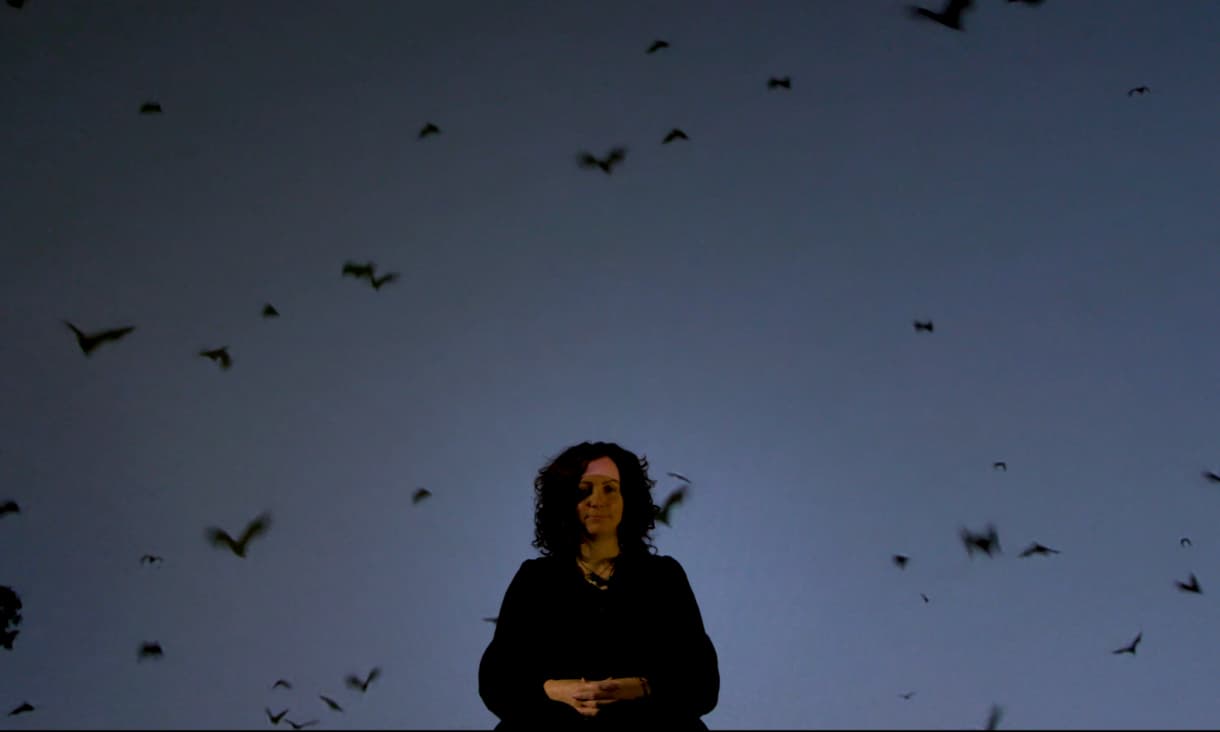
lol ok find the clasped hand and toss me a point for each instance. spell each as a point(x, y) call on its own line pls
point(590, 697)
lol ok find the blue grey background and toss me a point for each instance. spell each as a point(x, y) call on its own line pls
point(738, 308)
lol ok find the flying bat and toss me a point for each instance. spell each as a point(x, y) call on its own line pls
point(674, 134)
point(1191, 586)
point(779, 81)
point(1185, 542)
point(220, 538)
point(1138, 90)
point(950, 16)
point(150, 108)
point(1213, 477)
point(275, 718)
point(1037, 548)
point(331, 703)
point(657, 46)
point(925, 325)
point(907, 695)
point(986, 542)
point(219, 355)
point(925, 597)
point(674, 498)
point(1001, 465)
point(1130, 647)
point(679, 476)
point(150, 559)
point(90, 341)
point(301, 725)
point(993, 717)
point(420, 494)
point(366, 271)
point(607, 164)
point(354, 682)
point(25, 706)
point(269, 311)
point(9, 507)
point(429, 129)
point(282, 682)
point(149, 650)
point(901, 560)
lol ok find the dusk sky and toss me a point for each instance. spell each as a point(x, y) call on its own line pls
point(738, 307)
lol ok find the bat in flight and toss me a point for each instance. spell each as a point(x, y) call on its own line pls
point(1037, 548)
point(950, 16)
point(993, 717)
point(1191, 586)
point(149, 650)
point(907, 695)
point(986, 542)
point(220, 538)
point(362, 685)
point(1185, 542)
point(9, 507)
point(150, 108)
point(275, 718)
point(657, 46)
point(776, 82)
point(151, 559)
point(269, 311)
point(924, 325)
point(607, 164)
point(925, 597)
point(301, 725)
point(1130, 647)
point(90, 341)
point(673, 499)
point(674, 134)
point(25, 706)
point(420, 494)
point(220, 356)
point(1138, 90)
point(901, 560)
point(282, 682)
point(429, 129)
point(1000, 465)
point(1213, 477)
point(679, 476)
point(367, 271)
point(331, 703)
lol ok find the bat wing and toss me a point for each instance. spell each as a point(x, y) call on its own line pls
point(257, 527)
point(353, 682)
point(617, 155)
point(587, 160)
point(220, 537)
point(115, 333)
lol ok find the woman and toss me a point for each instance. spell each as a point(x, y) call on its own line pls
point(599, 631)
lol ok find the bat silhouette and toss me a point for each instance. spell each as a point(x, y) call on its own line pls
point(149, 650)
point(924, 325)
point(282, 682)
point(993, 717)
point(987, 542)
point(366, 271)
point(607, 164)
point(1001, 465)
point(1191, 586)
point(150, 559)
point(420, 494)
point(1130, 647)
point(950, 16)
point(269, 311)
point(331, 703)
point(674, 134)
point(1138, 90)
point(150, 108)
point(90, 341)
point(219, 355)
point(9, 507)
point(220, 538)
point(429, 129)
point(1185, 542)
point(301, 725)
point(1213, 477)
point(657, 46)
point(779, 81)
point(354, 682)
point(674, 498)
point(1037, 548)
point(907, 695)
point(679, 476)
point(275, 718)
point(925, 597)
point(25, 706)
point(901, 560)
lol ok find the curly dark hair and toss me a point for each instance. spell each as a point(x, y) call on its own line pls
point(557, 529)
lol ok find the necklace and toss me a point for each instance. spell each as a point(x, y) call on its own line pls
point(592, 577)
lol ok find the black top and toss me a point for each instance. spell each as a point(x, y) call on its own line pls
point(555, 625)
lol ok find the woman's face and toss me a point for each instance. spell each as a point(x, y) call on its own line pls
point(601, 504)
